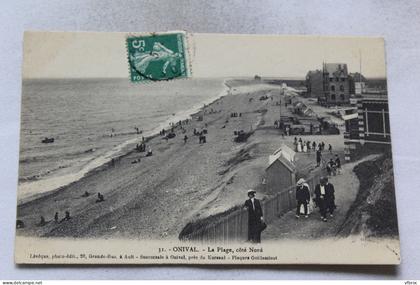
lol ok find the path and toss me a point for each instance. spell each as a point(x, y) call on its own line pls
point(346, 189)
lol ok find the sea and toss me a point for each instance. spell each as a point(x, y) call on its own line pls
point(95, 120)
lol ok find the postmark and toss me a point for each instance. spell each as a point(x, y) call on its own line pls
point(158, 57)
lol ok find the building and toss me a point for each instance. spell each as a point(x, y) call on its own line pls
point(369, 128)
point(281, 170)
point(335, 84)
point(357, 83)
point(359, 88)
point(314, 84)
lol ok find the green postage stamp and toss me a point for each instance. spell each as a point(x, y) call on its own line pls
point(157, 57)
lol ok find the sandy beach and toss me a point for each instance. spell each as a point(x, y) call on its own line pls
point(181, 182)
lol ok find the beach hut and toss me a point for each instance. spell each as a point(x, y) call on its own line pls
point(281, 170)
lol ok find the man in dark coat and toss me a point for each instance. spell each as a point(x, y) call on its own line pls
point(255, 217)
point(318, 157)
point(302, 197)
point(329, 197)
point(320, 199)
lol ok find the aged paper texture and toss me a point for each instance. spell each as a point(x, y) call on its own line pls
point(186, 148)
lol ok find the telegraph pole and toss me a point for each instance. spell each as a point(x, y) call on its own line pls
point(282, 92)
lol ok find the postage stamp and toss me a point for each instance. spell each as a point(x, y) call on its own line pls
point(157, 57)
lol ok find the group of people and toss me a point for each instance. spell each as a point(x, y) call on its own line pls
point(334, 166)
point(138, 131)
point(141, 147)
point(307, 146)
point(324, 198)
point(202, 138)
point(173, 126)
point(43, 222)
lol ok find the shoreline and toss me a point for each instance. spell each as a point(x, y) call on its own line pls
point(125, 148)
point(139, 196)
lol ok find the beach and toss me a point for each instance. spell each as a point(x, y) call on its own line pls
point(93, 121)
point(181, 182)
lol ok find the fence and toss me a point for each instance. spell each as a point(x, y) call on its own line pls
point(234, 226)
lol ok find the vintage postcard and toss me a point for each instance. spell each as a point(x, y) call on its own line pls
point(185, 148)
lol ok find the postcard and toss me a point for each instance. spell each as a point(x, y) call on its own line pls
point(189, 148)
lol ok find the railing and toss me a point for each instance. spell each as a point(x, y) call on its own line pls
point(234, 226)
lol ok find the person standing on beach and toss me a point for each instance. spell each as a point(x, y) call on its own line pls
point(255, 217)
point(66, 216)
point(299, 147)
point(42, 222)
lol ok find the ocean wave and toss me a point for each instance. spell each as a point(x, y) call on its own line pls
point(43, 174)
point(49, 157)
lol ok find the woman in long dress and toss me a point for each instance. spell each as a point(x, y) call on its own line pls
point(299, 147)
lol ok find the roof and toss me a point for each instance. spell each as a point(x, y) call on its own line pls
point(350, 116)
point(311, 72)
point(314, 123)
point(281, 159)
point(357, 76)
point(309, 112)
point(336, 69)
point(373, 96)
point(284, 150)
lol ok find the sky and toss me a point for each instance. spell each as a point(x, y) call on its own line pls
point(104, 55)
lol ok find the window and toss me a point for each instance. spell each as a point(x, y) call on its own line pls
point(341, 88)
point(336, 79)
point(331, 79)
point(333, 97)
point(332, 88)
point(342, 97)
point(343, 79)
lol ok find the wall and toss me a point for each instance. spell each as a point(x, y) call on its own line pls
point(278, 177)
